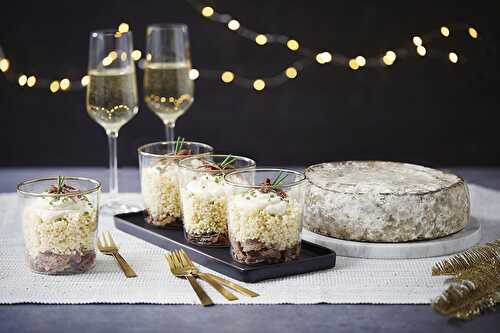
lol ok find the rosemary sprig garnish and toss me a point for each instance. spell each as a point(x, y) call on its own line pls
point(178, 145)
point(60, 184)
point(227, 161)
point(61, 188)
point(278, 180)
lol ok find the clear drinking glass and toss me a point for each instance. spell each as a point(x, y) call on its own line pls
point(203, 198)
point(59, 218)
point(265, 209)
point(158, 164)
point(112, 95)
point(168, 90)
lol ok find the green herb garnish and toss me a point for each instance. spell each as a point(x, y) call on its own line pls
point(227, 161)
point(60, 184)
point(178, 144)
point(278, 180)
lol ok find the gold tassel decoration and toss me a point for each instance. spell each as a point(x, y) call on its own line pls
point(475, 285)
point(470, 293)
point(475, 256)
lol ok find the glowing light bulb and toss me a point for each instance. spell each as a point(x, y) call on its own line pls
point(473, 32)
point(421, 50)
point(233, 25)
point(65, 83)
point(54, 86)
point(31, 81)
point(227, 77)
point(123, 27)
point(261, 39)
point(4, 65)
point(136, 55)
point(293, 45)
point(291, 72)
point(327, 57)
point(453, 57)
point(113, 55)
point(194, 74)
point(353, 64)
point(123, 56)
point(324, 57)
point(445, 31)
point(360, 60)
point(207, 11)
point(85, 81)
point(387, 61)
point(259, 84)
point(107, 61)
point(149, 57)
point(391, 55)
point(22, 80)
point(389, 58)
point(417, 41)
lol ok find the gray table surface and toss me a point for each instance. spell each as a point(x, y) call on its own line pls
point(228, 318)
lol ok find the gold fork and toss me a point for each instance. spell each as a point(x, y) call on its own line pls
point(108, 247)
point(177, 270)
point(190, 268)
point(188, 263)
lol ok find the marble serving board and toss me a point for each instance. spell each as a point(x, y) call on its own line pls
point(460, 241)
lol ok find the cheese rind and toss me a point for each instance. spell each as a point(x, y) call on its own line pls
point(384, 201)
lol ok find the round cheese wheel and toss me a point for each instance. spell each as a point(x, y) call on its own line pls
point(384, 201)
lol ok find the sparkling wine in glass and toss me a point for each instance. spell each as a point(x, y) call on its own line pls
point(112, 96)
point(168, 90)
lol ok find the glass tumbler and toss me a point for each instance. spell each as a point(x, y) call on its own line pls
point(265, 209)
point(159, 184)
point(203, 197)
point(59, 217)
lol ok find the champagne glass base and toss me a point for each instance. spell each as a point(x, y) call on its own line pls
point(114, 206)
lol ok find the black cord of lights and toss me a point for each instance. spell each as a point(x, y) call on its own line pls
point(416, 47)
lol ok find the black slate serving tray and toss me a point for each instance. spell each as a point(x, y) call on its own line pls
point(312, 257)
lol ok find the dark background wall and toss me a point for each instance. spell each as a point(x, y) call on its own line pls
point(420, 110)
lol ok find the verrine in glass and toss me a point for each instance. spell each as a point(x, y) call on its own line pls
point(59, 218)
point(158, 164)
point(265, 209)
point(203, 198)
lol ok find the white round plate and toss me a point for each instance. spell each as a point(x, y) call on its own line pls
point(457, 242)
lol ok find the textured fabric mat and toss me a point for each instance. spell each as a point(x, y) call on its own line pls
point(351, 281)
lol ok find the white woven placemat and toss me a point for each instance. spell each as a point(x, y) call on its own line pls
point(351, 281)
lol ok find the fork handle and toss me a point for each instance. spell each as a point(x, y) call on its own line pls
point(202, 295)
point(127, 270)
point(232, 285)
point(217, 286)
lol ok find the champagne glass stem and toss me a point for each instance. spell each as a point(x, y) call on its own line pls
point(169, 130)
point(113, 165)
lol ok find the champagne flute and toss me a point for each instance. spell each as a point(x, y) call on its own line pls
point(112, 95)
point(168, 90)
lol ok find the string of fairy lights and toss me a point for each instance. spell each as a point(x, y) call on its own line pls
point(417, 46)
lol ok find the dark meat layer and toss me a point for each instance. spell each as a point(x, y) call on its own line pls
point(211, 239)
point(169, 222)
point(252, 252)
point(53, 263)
